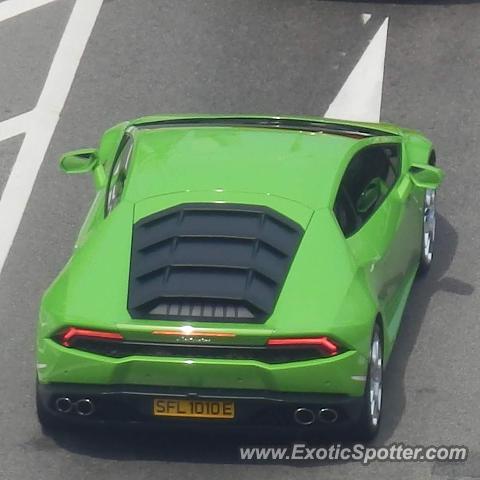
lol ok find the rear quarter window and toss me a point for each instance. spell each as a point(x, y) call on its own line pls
point(373, 171)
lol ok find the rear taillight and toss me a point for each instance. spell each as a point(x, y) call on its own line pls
point(70, 334)
point(326, 345)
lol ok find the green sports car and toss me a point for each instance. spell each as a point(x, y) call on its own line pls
point(237, 271)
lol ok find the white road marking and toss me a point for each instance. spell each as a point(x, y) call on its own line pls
point(40, 123)
point(12, 8)
point(365, 17)
point(15, 125)
point(360, 98)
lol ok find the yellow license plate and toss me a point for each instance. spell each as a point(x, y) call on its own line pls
point(193, 408)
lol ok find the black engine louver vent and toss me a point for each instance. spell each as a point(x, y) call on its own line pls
point(210, 262)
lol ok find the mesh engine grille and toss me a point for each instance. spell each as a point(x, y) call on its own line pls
point(210, 262)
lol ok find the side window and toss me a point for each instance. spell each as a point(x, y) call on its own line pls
point(118, 175)
point(345, 213)
point(368, 179)
point(392, 153)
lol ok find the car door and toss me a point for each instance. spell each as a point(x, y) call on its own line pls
point(379, 224)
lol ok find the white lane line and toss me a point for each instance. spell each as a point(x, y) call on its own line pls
point(360, 98)
point(41, 124)
point(12, 8)
point(15, 125)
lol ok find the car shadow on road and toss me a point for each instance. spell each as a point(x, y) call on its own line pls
point(223, 447)
point(423, 292)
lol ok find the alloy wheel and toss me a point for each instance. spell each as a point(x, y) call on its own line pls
point(428, 226)
point(376, 379)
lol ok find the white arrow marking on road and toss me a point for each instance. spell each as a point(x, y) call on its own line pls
point(40, 123)
point(360, 98)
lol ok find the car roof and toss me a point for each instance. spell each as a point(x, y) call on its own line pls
point(296, 159)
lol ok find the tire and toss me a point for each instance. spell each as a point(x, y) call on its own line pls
point(368, 424)
point(428, 229)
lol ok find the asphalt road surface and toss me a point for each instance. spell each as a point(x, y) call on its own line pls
point(224, 56)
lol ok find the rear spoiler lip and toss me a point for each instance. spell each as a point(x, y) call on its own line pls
point(314, 126)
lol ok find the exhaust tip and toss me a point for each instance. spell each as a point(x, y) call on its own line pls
point(304, 416)
point(63, 405)
point(84, 407)
point(328, 415)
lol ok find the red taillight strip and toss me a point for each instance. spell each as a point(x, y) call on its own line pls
point(66, 336)
point(324, 343)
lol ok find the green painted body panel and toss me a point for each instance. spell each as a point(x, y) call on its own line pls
point(335, 287)
point(236, 160)
point(289, 208)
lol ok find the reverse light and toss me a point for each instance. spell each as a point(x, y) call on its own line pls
point(67, 336)
point(327, 346)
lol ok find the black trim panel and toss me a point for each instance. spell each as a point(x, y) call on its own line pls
point(133, 404)
point(264, 354)
point(210, 262)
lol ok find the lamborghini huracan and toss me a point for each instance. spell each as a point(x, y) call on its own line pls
point(237, 271)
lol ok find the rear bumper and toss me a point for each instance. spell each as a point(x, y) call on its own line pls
point(126, 404)
point(341, 374)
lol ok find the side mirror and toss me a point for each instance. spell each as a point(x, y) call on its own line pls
point(83, 161)
point(79, 161)
point(426, 176)
point(370, 196)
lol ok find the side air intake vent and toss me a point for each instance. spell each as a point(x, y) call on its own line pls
point(210, 262)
